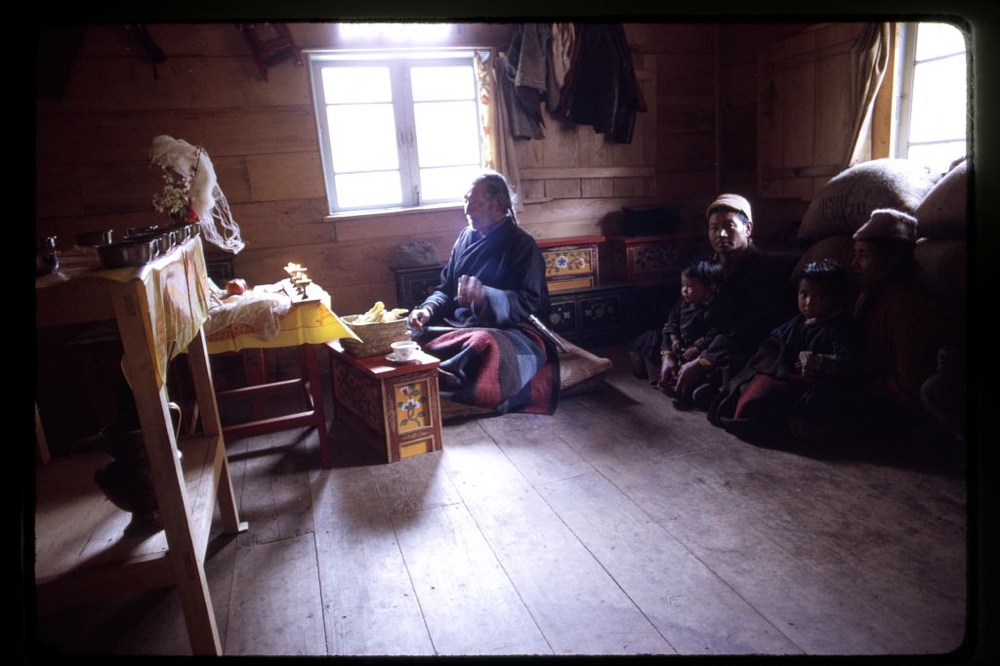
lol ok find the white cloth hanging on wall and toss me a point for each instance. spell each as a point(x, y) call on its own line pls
point(205, 196)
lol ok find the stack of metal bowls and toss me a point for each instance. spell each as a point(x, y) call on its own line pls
point(144, 244)
point(95, 238)
point(128, 252)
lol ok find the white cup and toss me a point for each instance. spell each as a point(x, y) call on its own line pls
point(405, 350)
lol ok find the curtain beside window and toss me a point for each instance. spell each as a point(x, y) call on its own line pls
point(869, 61)
point(497, 142)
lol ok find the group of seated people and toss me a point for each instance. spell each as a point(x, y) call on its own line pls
point(853, 359)
point(855, 354)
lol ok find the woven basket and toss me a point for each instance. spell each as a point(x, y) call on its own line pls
point(376, 338)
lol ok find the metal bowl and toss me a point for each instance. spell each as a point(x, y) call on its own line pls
point(138, 231)
point(130, 252)
point(103, 237)
point(162, 241)
point(188, 231)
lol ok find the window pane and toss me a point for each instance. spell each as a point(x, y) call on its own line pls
point(362, 137)
point(937, 156)
point(940, 100)
point(938, 39)
point(358, 190)
point(354, 85)
point(442, 83)
point(447, 133)
point(400, 127)
point(448, 183)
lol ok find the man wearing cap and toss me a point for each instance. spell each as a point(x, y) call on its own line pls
point(756, 296)
point(899, 336)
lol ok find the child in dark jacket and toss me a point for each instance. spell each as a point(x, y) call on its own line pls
point(800, 378)
point(690, 327)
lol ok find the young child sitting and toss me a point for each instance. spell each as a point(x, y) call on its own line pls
point(798, 382)
point(689, 328)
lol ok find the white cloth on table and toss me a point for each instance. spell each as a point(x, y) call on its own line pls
point(260, 309)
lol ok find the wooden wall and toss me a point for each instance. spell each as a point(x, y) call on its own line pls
point(776, 217)
point(93, 143)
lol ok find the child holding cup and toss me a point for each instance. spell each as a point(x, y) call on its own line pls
point(798, 383)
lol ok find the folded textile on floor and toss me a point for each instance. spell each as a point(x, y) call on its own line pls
point(504, 370)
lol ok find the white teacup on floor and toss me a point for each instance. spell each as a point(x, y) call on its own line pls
point(404, 350)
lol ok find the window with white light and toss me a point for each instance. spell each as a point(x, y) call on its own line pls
point(398, 129)
point(933, 102)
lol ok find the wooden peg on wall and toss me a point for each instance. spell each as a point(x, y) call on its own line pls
point(156, 55)
point(270, 43)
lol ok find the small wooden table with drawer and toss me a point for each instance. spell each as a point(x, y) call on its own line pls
point(394, 407)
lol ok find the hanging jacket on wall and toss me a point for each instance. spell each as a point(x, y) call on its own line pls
point(527, 69)
point(601, 88)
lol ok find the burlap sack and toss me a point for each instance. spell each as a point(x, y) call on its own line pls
point(845, 202)
point(942, 267)
point(414, 253)
point(840, 248)
point(943, 213)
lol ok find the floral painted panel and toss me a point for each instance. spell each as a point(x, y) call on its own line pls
point(655, 258)
point(411, 405)
point(562, 316)
point(561, 262)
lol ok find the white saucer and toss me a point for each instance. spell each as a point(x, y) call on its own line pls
point(392, 359)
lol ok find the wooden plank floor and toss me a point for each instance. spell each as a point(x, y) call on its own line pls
point(617, 526)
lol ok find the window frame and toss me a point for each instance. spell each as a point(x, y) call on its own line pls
point(399, 61)
point(905, 73)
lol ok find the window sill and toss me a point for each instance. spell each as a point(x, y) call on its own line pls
point(388, 222)
point(410, 222)
point(390, 212)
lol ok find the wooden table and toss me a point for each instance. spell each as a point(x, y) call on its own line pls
point(308, 323)
point(393, 407)
point(81, 552)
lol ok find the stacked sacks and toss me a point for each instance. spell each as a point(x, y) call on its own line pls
point(942, 256)
point(846, 202)
point(942, 249)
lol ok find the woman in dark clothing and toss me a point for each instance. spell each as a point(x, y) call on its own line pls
point(477, 319)
point(900, 333)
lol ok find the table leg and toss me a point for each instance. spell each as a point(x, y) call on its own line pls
point(255, 374)
point(307, 360)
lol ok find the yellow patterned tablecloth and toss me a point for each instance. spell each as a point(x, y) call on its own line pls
point(309, 321)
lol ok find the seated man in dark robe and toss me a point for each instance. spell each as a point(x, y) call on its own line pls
point(477, 319)
point(756, 295)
